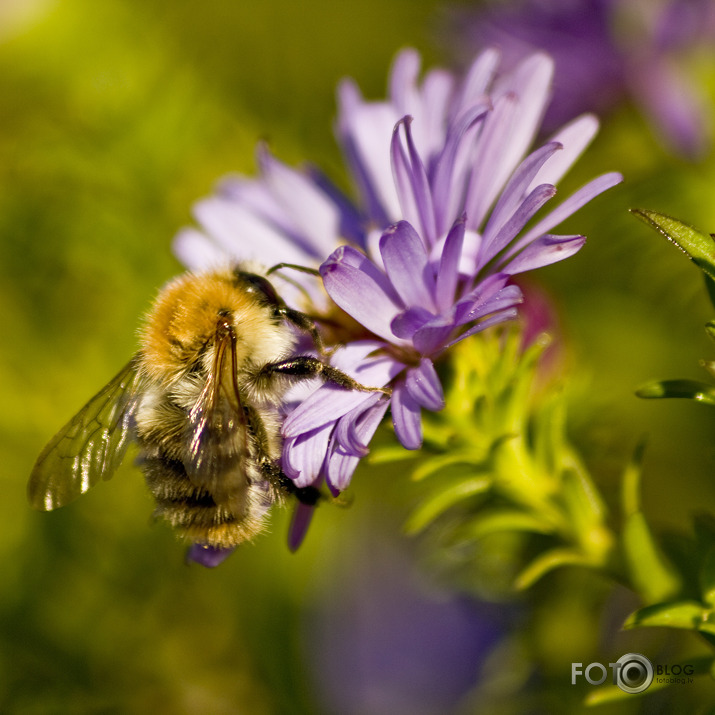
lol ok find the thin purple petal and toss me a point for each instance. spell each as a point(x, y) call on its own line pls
point(424, 386)
point(544, 251)
point(300, 521)
point(572, 204)
point(208, 556)
point(407, 265)
point(406, 416)
point(304, 456)
point(361, 290)
point(448, 273)
point(406, 324)
point(491, 321)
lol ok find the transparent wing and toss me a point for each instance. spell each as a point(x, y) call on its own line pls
point(218, 426)
point(91, 445)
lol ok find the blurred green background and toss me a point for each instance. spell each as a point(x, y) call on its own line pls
point(114, 118)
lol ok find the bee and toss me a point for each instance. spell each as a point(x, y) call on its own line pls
point(201, 398)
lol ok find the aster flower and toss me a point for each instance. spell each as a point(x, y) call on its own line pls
point(442, 273)
point(449, 210)
point(605, 52)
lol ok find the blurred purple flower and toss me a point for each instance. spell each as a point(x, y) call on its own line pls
point(448, 204)
point(209, 556)
point(604, 52)
point(386, 640)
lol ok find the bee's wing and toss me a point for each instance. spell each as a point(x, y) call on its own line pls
point(218, 426)
point(91, 445)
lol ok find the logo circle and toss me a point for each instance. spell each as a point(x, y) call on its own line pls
point(634, 674)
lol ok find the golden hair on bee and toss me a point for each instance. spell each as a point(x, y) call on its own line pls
point(201, 399)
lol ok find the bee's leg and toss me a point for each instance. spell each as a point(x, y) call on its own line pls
point(305, 495)
point(275, 475)
point(306, 367)
point(306, 324)
point(271, 472)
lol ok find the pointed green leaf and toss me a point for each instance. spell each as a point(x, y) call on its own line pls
point(689, 389)
point(505, 520)
point(631, 486)
point(698, 245)
point(584, 502)
point(548, 561)
point(443, 461)
point(651, 575)
point(677, 614)
point(443, 499)
point(710, 287)
point(385, 455)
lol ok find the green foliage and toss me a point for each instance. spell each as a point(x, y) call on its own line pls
point(500, 462)
point(699, 246)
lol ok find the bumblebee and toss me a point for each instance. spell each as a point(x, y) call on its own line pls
point(202, 399)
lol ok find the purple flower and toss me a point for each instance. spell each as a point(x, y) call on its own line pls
point(604, 52)
point(466, 192)
point(450, 208)
point(209, 556)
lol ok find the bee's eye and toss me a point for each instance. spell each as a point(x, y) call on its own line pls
point(258, 286)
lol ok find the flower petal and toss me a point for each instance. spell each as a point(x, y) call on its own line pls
point(364, 131)
point(411, 182)
point(330, 402)
point(431, 339)
point(424, 386)
point(361, 290)
point(244, 235)
point(574, 138)
point(492, 320)
point(302, 516)
point(478, 79)
point(311, 211)
point(406, 324)
point(448, 273)
point(407, 265)
point(209, 556)
point(449, 176)
point(304, 456)
point(511, 228)
point(196, 250)
point(344, 459)
point(516, 188)
point(572, 204)
point(406, 416)
point(544, 251)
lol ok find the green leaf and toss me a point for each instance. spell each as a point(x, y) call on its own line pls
point(584, 502)
point(689, 389)
point(443, 499)
point(612, 693)
point(505, 520)
point(385, 455)
point(698, 245)
point(440, 462)
point(677, 614)
point(710, 287)
point(631, 486)
point(651, 575)
point(707, 577)
point(548, 561)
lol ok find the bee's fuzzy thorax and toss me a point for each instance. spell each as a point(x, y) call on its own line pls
point(182, 324)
